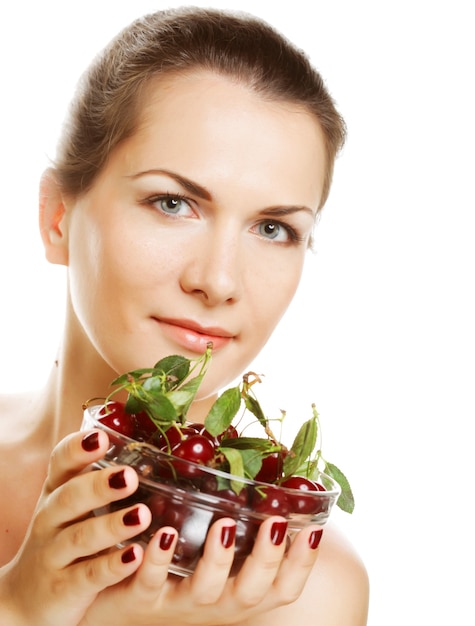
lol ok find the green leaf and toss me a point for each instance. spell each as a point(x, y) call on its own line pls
point(346, 501)
point(132, 405)
point(182, 397)
point(252, 461)
point(160, 409)
point(255, 408)
point(153, 384)
point(265, 446)
point(223, 411)
point(236, 467)
point(174, 365)
point(302, 447)
point(124, 379)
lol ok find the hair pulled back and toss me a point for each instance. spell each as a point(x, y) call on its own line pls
point(108, 103)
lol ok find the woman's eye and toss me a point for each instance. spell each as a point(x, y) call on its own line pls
point(275, 231)
point(173, 205)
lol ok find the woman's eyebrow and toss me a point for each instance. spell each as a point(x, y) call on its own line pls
point(186, 183)
point(203, 193)
point(281, 211)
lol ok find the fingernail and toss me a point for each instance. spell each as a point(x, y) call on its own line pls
point(131, 518)
point(278, 532)
point(314, 538)
point(228, 533)
point(128, 556)
point(117, 480)
point(90, 442)
point(166, 541)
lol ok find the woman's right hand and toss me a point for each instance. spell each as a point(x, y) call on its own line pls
point(69, 572)
point(65, 560)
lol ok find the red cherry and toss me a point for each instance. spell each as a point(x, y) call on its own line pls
point(195, 448)
point(214, 440)
point(145, 428)
point(230, 433)
point(196, 426)
point(237, 500)
point(304, 500)
point(271, 468)
point(246, 531)
point(271, 500)
point(158, 506)
point(173, 436)
point(240, 499)
point(114, 416)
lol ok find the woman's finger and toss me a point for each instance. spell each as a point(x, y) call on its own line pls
point(260, 569)
point(82, 494)
point(297, 564)
point(212, 572)
point(153, 573)
point(93, 575)
point(96, 534)
point(72, 455)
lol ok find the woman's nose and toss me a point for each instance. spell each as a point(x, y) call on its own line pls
point(214, 272)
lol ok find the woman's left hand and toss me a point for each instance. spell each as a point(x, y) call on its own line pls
point(270, 577)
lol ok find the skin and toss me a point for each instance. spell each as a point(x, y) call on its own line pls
point(196, 230)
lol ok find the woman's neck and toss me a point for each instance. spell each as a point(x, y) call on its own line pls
point(80, 374)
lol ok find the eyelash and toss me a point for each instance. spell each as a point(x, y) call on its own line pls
point(153, 200)
point(294, 236)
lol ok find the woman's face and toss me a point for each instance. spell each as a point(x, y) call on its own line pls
point(197, 227)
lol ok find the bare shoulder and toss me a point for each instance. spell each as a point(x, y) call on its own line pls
point(337, 592)
point(8, 404)
point(340, 578)
point(15, 416)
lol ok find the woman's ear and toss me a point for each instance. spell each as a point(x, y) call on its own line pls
point(53, 219)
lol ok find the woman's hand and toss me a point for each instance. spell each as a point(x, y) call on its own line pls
point(269, 578)
point(64, 561)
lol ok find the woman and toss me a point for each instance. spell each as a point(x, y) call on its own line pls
point(198, 153)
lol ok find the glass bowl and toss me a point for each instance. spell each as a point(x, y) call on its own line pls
point(190, 497)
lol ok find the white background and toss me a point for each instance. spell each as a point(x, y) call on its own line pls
point(381, 336)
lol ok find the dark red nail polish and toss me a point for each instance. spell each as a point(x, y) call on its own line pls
point(131, 518)
point(314, 538)
point(166, 541)
point(90, 442)
point(128, 556)
point(228, 533)
point(278, 532)
point(117, 480)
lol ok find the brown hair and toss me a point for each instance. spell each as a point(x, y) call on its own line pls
point(107, 106)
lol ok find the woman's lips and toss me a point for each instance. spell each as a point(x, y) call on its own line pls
point(192, 336)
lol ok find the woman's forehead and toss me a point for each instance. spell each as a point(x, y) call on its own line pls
point(203, 113)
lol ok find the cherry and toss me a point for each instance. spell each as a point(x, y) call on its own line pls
point(304, 500)
point(241, 498)
point(237, 500)
point(196, 426)
point(192, 525)
point(114, 416)
point(230, 433)
point(270, 500)
point(246, 531)
point(173, 436)
point(195, 448)
point(272, 466)
point(157, 505)
point(215, 440)
point(145, 429)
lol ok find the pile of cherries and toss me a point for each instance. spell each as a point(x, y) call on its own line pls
point(192, 474)
point(193, 444)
